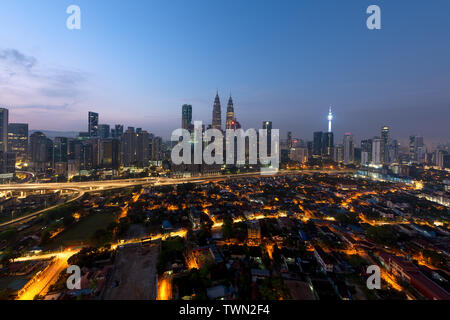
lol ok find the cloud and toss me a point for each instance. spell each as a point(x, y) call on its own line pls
point(12, 56)
point(25, 84)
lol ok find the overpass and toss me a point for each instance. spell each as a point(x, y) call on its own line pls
point(92, 186)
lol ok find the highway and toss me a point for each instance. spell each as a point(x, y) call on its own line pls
point(115, 184)
point(30, 216)
point(41, 282)
point(92, 186)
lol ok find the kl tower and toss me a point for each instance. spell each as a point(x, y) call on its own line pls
point(330, 119)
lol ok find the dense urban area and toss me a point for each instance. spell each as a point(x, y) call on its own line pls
point(139, 227)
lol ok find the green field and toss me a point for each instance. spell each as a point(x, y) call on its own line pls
point(82, 231)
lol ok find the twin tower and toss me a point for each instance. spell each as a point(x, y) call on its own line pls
point(230, 122)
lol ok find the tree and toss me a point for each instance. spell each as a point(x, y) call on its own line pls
point(8, 256)
point(227, 227)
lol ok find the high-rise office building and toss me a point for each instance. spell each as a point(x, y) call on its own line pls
point(60, 150)
point(7, 162)
point(128, 147)
point(4, 129)
point(41, 151)
point(392, 151)
point(230, 121)
point(339, 153)
point(142, 148)
point(385, 144)
point(18, 139)
point(117, 132)
point(217, 114)
point(366, 151)
point(317, 144)
point(110, 154)
point(327, 144)
point(186, 117)
point(103, 131)
point(86, 156)
point(377, 143)
point(93, 124)
point(157, 147)
point(267, 125)
point(439, 159)
point(349, 149)
point(289, 139)
point(417, 149)
point(135, 148)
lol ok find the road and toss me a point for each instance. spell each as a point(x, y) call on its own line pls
point(40, 284)
point(115, 184)
point(35, 214)
point(92, 186)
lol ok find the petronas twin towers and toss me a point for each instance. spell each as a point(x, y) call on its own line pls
point(230, 122)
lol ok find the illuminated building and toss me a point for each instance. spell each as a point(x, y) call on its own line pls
point(339, 153)
point(327, 144)
point(230, 121)
point(60, 149)
point(384, 151)
point(110, 154)
point(267, 125)
point(254, 233)
point(18, 139)
point(217, 114)
point(299, 154)
point(330, 119)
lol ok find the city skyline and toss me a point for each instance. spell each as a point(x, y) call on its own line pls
point(43, 81)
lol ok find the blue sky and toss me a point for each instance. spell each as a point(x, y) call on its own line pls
point(136, 63)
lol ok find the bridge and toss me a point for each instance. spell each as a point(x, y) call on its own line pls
point(81, 188)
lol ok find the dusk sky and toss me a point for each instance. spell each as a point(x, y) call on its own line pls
point(137, 62)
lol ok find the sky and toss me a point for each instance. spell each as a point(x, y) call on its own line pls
point(137, 62)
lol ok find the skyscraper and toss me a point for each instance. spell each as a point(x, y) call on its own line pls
point(18, 139)
point(289, 139)
point(268, 126)
point(366, 151)
point(128, 147)
point(217, 114)
point(376, 151)
point(41, 151)
point(4, 129)
point(93, 124)
point(349, 149)
point(229, 124)
point(110, 154)
point(317, 144)
point(327, 144)
point(385, 144)
point(117, 132)
point(186, 117)
point(416, 149)
point(60, 150)
point(103, 131)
